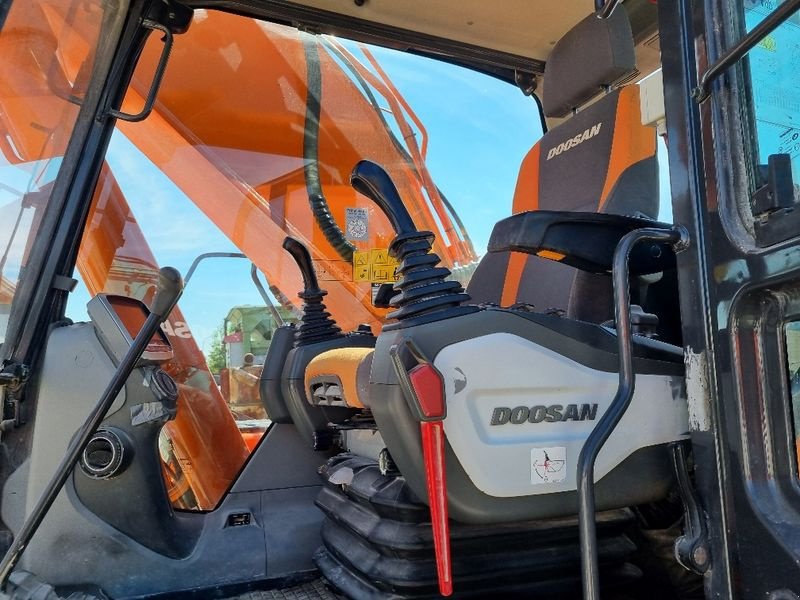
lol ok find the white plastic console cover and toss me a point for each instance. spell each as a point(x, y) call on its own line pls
point(542, 407)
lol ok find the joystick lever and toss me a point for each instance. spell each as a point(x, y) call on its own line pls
point(370, 180)
point(316, 324)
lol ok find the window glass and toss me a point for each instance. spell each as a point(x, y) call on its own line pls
point(792, 332)
point(774, 65)
point(258, 145)
point(47, 49)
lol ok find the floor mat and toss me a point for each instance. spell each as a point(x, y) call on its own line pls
point(313, 590)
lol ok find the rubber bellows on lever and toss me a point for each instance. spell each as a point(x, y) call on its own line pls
point(423, 287)
point(316, 324)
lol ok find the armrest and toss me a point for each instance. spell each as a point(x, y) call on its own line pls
point(583, 240)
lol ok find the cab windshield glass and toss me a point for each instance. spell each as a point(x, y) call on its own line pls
point(257, 145)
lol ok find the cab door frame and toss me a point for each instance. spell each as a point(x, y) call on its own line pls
point(735, 298)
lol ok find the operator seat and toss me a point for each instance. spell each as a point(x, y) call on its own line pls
point(602, 159)
point(523, 389)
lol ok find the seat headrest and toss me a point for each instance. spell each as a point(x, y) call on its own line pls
point(591, 56)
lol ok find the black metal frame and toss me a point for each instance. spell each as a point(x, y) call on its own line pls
point(681, 31)
point(735, 299)
point(67, 206)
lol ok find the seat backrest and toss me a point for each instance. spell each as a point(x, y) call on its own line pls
point(601, 159)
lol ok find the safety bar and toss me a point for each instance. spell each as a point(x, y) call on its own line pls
point(253, 275)
point(677, 237)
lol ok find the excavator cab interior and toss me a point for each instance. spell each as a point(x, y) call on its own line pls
point(515, 320)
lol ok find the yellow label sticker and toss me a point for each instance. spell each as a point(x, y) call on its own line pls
point(375, 266)
point(379, 256)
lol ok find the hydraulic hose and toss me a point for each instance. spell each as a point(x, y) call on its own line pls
point(319, 205)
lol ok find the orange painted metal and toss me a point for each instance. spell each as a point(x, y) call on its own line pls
point(228, 130)
point(230, 136)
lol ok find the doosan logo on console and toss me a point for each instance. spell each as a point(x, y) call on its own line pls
point(548, 414)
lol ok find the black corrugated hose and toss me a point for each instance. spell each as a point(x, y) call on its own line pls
point(319, 205)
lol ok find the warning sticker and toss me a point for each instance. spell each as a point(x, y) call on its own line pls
point(375, 266)
point(356, 223)
point(548, 465)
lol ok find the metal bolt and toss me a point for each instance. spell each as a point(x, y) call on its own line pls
point(700, 555)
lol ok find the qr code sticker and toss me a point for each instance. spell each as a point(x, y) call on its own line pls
point(356, 224)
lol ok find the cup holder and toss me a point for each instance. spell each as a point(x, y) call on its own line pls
point(107, 454)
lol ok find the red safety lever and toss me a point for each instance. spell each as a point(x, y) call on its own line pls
point(428, 387)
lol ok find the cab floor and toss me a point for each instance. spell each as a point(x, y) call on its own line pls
point(312, 590)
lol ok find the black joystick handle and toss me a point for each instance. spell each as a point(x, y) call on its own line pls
point(316, 324)
point(302, 257)
point(374, 182)
point(168, 291)
point(424, 287)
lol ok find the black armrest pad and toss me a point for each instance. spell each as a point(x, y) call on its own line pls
point(583, 240)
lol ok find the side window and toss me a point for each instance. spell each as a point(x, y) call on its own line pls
point(773, 66)
point(220, 329)
point(45, 44)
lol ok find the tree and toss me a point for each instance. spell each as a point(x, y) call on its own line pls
point(216, 357)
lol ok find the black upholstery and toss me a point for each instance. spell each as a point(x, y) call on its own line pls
point(585, 164)
point(573, 180)
point(591, 56)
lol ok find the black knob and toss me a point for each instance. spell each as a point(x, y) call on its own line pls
point(170, 288)
point(302, 257)
point(316, 324)
point(373, 182)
